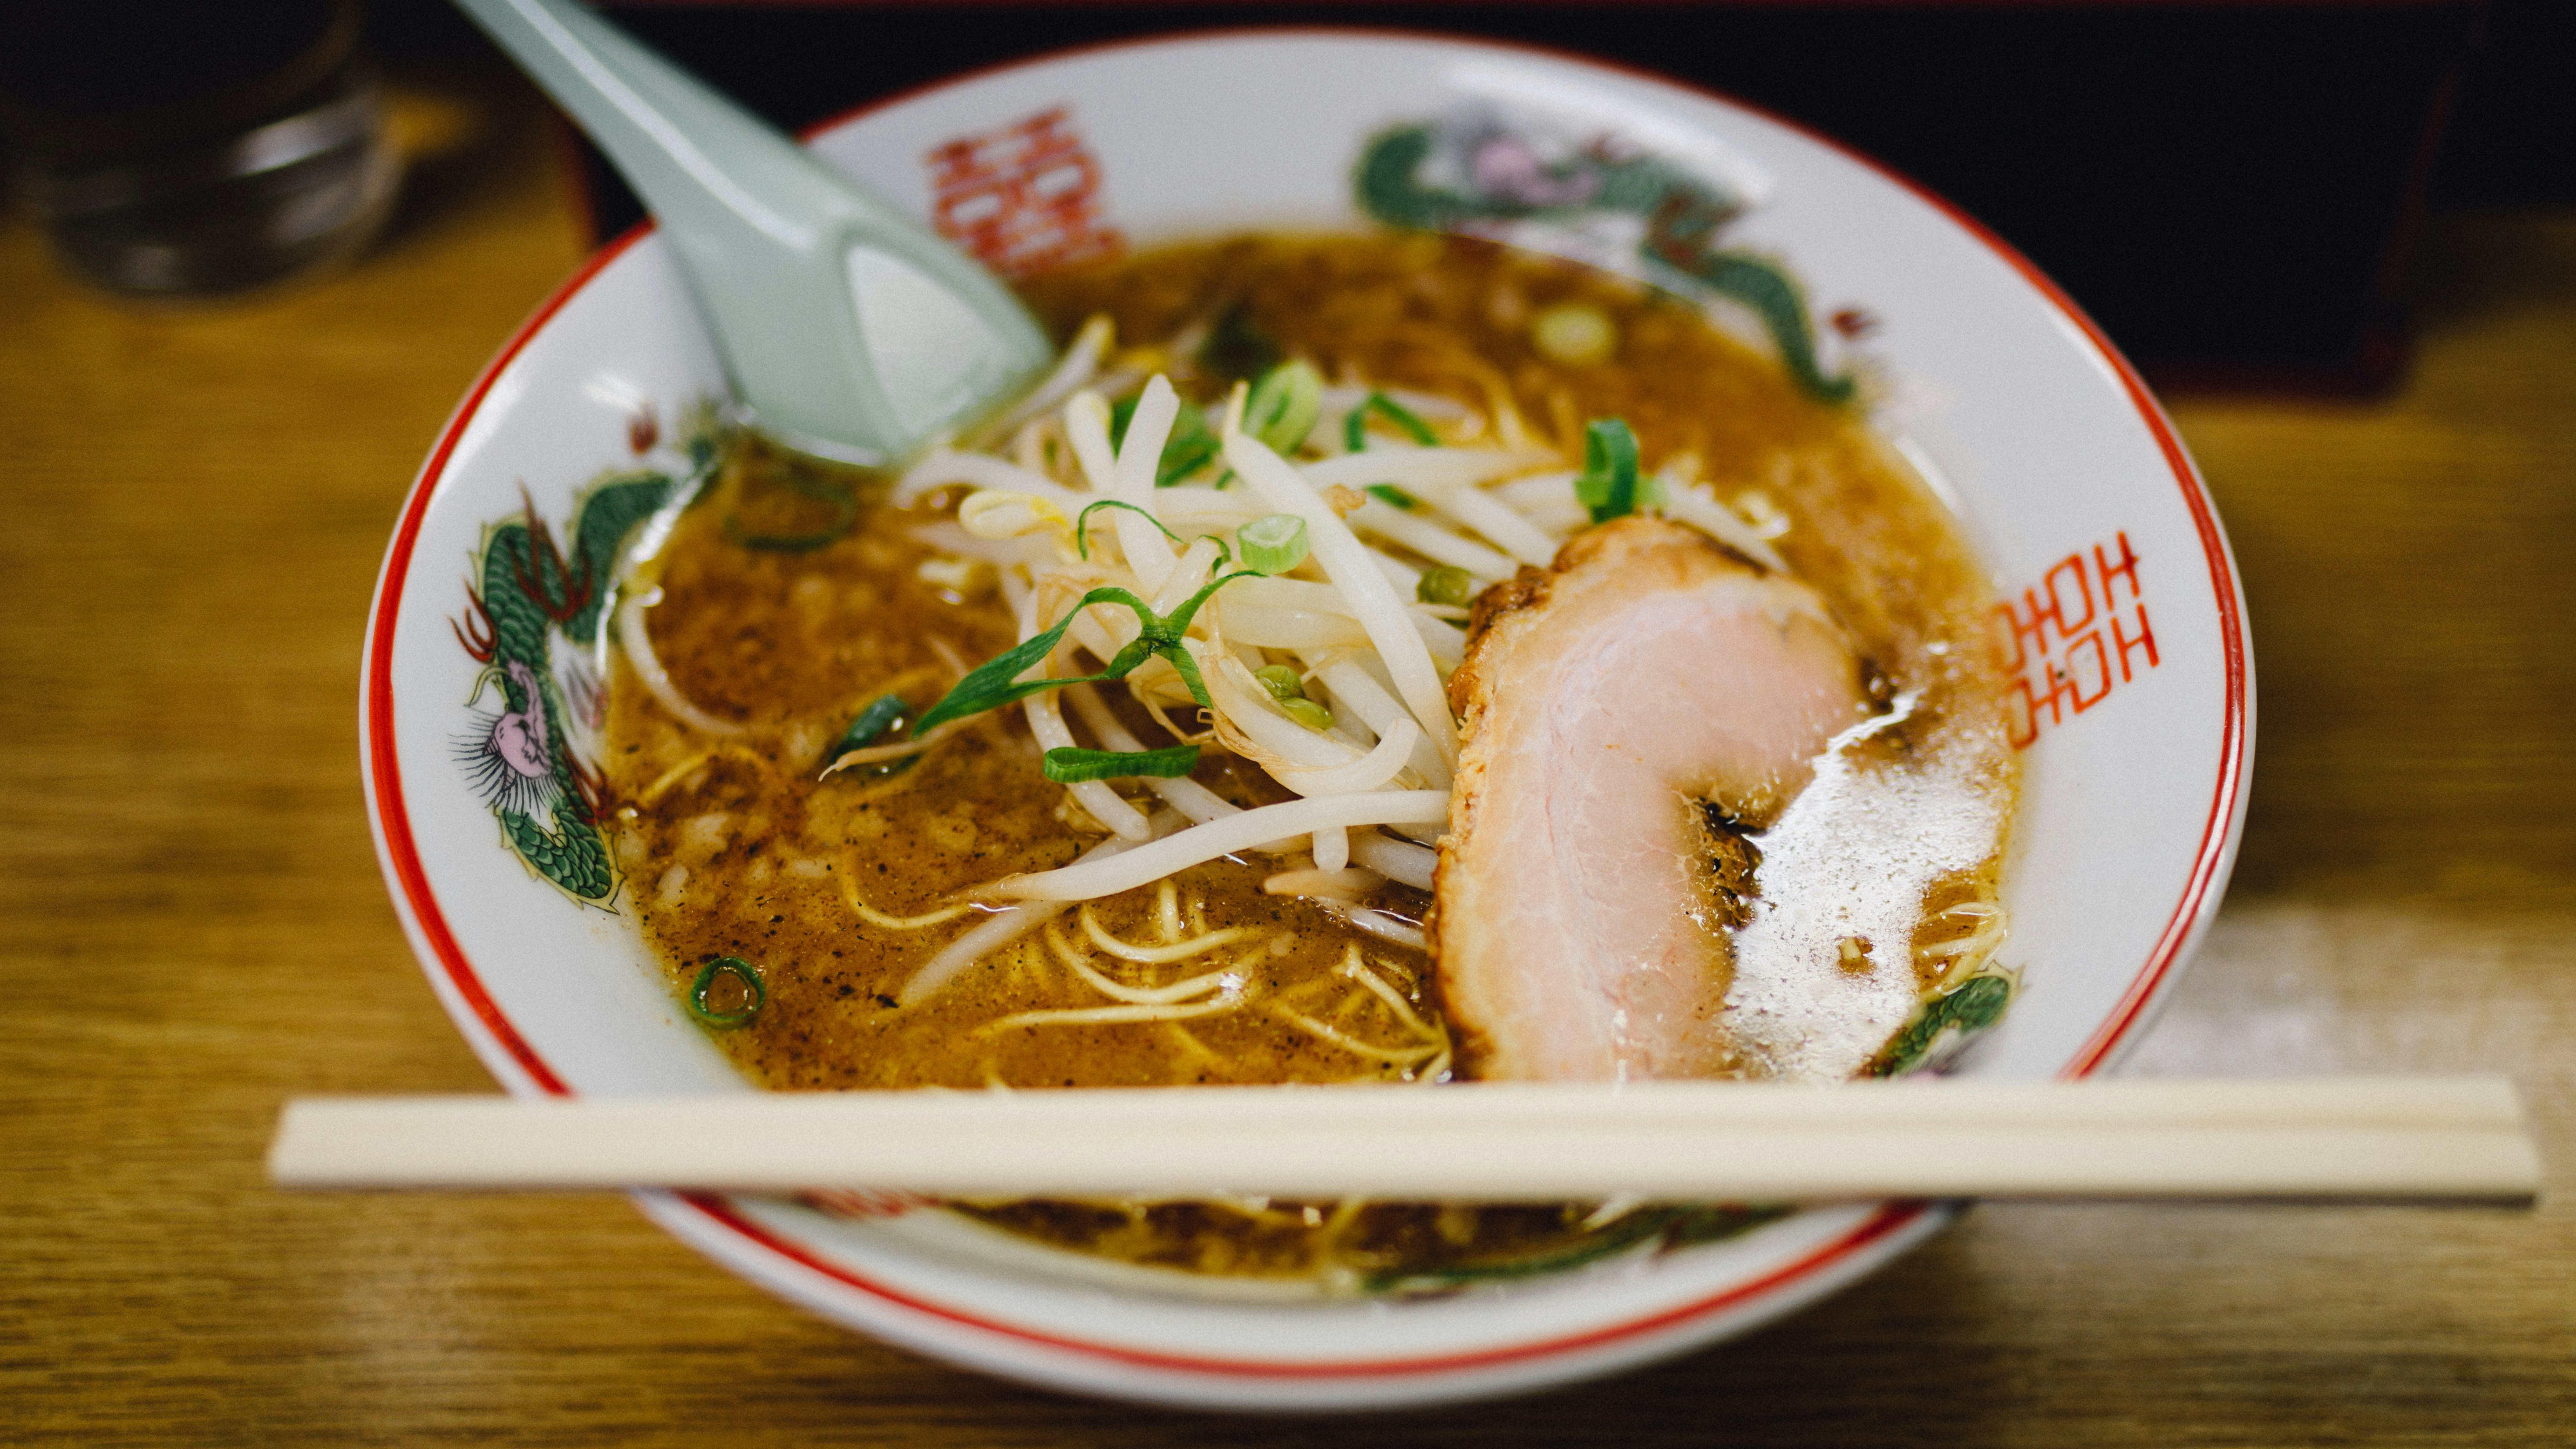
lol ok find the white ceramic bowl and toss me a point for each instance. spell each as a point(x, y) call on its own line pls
point(2124, 602)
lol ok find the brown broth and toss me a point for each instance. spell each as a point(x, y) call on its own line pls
point(733, 848)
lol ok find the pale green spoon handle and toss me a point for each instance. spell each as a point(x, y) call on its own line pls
point(849, 330)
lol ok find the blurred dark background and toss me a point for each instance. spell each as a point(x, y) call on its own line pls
point(2230, 188)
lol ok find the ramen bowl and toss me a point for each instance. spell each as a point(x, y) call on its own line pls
point(2120, 629)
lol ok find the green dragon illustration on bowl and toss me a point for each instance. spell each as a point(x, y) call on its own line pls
point(1473, 172)
point(537, 621)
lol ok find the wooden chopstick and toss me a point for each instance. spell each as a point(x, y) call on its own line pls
point(2388, 1138)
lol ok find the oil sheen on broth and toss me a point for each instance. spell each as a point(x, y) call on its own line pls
point(784, 609)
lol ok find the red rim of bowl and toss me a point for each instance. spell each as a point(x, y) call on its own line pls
point(2210, 865)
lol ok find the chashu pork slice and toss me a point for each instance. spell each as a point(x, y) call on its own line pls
point(1584, 885)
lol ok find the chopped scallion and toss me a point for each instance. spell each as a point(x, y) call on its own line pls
point(997, 681)
point(1192, 448)
point(884, 716)
point(1192, 445)
point(1070, 766)
point(1575, 334)
point(1273, 543)
point(1448, 586)
point(746, 987)
point(1308, 713)
point(1283, 406)
point(1355, 426)
point(883, 713)
point(1610, 486)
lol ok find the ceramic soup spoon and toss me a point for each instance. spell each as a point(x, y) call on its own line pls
point(848, 330)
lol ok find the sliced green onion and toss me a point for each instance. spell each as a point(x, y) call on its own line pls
point(1191, 446)
point(1082, 521)
point(997, 681)
point(1185, 455)
point(1390, 494)
point(1609, 485)
point(1575, 334)
point(1273, 543)
point(755, 994)
point(1448, 585)
point(1308, 713)
point(1355, 427)
point(1167, 634)
point(1070, 766)
point(883, 716)
point(1284, 405)
point(1281, 680)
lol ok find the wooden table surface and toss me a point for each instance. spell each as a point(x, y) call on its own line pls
point(192, 507)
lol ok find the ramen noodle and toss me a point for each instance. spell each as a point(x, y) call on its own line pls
point(1315, 518)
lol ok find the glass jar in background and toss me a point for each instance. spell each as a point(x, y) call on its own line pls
point(194, 147)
